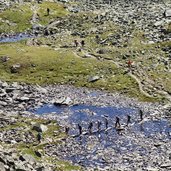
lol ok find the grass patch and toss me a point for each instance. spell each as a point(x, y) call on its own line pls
point(13, 126)
point(16, 19)
point(56, 10)
point(62, 67)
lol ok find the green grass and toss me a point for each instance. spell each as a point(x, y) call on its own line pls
point(16, 19)
point(56, 10)
point(63, 67)
point(13, 126)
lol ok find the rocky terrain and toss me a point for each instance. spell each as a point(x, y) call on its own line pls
point(20, 128)
point(124, 64)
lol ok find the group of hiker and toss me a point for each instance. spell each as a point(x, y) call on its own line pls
point(106, 122)
point(76, 43)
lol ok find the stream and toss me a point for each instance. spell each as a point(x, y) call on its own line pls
point(88, 149)
point(15, 38)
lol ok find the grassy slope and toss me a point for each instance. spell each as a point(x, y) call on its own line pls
point(61, 67)
point(16, 19)
point(56, 10)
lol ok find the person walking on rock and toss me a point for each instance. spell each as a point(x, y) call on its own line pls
point(82, 43)
point(117, 123)
point(67, 130)
point(90, 128)
point(99, 125)
point(39, 137)
point(106, 122)
point(48, 11)
point(76, 43)
point(128, 119)
point(130, 64)
point(80, 129)
point(141, 114)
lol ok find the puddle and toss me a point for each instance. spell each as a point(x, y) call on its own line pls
point(15, 38)
point(88, 149)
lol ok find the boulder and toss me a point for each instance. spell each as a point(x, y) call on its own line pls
point(28, 158)
point(9, 89)
point(15, 68)
point(4, 84)
point(166, 165)
point(168, 13)
point(41, 90)
point(63, 101)
point(23, 99)
point(40, 128)
point(93, 78)
point(4, 58)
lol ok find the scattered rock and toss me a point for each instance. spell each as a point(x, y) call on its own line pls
point(5, 58)
point(93, 78)
point(40, 128)
point(15, 68)
point(166, 165)
point(63, 101)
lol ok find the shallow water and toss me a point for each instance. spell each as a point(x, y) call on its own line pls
point(15, 38)
point(89, 149)
point(84, 114)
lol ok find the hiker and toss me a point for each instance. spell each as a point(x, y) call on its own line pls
point(46, 32)
point(129, 64)
point(141, 114)
point(82, 43)
point(39, 137)
point(90, 127)
point(67, 130)
point(117, 123)
point(48, 11)
point(164, 14)
point(106, 122)
point(99, 125)
point(80, 129)
point(128, 119)
point(76, 43)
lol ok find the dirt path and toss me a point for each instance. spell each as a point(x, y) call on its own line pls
point(135, 77)
point(35, 17)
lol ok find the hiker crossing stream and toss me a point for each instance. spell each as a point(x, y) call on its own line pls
point(86, 141)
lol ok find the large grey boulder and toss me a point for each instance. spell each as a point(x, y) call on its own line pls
point(168, 13)
point(40, 128)
point(23, 99)
point(63, 101)
point(28, 158)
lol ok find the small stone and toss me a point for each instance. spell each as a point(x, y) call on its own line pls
point(93, 79)
point(166, 165)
